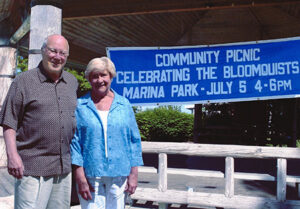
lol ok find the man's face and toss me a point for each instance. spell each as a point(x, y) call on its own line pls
point(55, 54)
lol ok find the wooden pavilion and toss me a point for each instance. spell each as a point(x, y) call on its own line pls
point(90, 26)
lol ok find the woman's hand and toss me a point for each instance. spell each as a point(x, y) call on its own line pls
point(84, 187)
point(132, 180)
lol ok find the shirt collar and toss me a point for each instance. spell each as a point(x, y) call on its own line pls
point(44, 77)
point(87, 100)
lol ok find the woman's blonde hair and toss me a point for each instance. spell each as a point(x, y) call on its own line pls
point(100, 64)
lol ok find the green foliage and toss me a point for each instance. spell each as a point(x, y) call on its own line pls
point(22, 64)
point(84, 85)
point(136, 109)
point(283, 145)
point(165, 124)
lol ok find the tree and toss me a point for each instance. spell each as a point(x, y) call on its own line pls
point(84, 84)
point(165, 124)
point(22, 64)
point(266, 122)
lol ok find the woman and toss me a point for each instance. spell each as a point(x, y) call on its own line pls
point(106, 148)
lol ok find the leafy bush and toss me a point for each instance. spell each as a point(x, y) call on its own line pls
point(165, 124)
point(22, 64)
point(84, 85)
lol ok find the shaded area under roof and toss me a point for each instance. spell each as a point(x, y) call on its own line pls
point(91, 26)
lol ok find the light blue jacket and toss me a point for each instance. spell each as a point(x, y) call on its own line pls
point(123, 139)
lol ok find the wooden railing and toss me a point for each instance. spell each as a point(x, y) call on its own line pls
point(163, 195)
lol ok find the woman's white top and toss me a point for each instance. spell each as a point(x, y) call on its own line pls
point(103, 115)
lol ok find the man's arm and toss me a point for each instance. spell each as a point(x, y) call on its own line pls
point(15, 165)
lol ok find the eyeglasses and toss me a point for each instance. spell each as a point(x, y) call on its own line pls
point(55, 51)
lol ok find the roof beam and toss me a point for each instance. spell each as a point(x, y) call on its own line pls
point(74, 9)
point(21, 32)
point(81, 55)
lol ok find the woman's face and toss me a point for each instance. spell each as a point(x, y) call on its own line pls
point(100, 82)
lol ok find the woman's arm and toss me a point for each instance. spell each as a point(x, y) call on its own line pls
point(132, 180)
point(84, 187)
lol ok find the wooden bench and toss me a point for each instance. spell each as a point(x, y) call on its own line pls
point(163, 195)
point(220, 174)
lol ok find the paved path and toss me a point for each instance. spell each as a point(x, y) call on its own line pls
point(6, 183)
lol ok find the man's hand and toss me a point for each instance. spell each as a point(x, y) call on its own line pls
point(15, 165)
point(132, 181)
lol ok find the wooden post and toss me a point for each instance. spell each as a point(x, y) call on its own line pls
point(45, 20)
point(162, 176)
point(21, 32)
point(8, 58)
point(229, 177)
point(281, 179)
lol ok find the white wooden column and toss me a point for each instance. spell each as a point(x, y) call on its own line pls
point(163, 176)
point(8, 58)
point(45, 20)
point(281, 179)
point(229, 177)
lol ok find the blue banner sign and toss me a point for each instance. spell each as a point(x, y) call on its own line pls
point(200, 74)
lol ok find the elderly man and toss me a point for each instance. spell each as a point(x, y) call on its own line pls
point(38, 124)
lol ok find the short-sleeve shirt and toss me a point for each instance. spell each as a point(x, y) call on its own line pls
point(41, 112)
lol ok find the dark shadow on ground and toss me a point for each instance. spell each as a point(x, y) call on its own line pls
point(270, 188)
point(152, 205)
